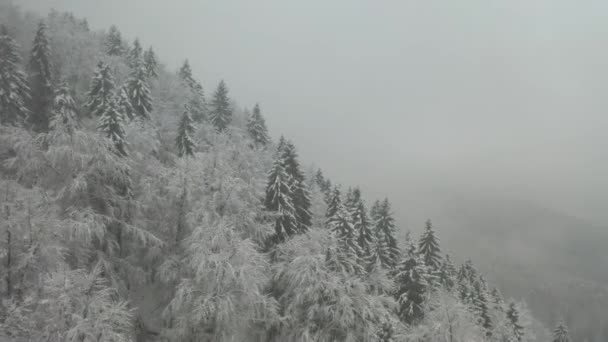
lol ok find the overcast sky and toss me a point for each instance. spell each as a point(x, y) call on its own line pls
point(410, 99)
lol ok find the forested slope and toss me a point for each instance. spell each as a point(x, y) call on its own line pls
point(138, 206)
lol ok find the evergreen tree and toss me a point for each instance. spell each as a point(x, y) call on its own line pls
point(196, 100)
point(256, 127)
point(111, 124)
point(429, 247)
point(185, 130)
point(513, 317)
point(278, 200)
point(482, 307)
point(14, 91)
point(334, 203)
point(341, 225)
point(412, 286)
point(139, 93)
point(560, 333)
point(384, 229)
point(40, 80)
point(114, 43)
point(300, 193)
point(124, 103)
point(134, 57)
point(221, 113)
point(150, 63)
point(447, 273)
point(101, 90)
point(363, 227)
point(64, 111)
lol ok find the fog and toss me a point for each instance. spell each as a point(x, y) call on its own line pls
point(412, 100)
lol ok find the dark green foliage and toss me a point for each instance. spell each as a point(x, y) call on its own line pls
point(185, 130)
point(221, 112)
point(111, 124)
point(384, 230)
point(150, 63)
point(101, 90)
point(300, 193)
point(139, 93)
point(428, 246)
point(196, 101)
point(40, 81)
point(560, 333)
point(513, 317)
point(278, 200)
point(411, 279)
point(14, 91)
point(114, 43)
point(256, 127)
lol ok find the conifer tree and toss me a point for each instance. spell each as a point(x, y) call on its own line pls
point(411, 279)
point(278, 200)
point(221, 113)
point(150, 63)
point(135, 55)
point(14, 91)
point(447, 273)
point(197, 102)
point(256, 127)
point(384, 230)
point(184, 142)
point(101, 90)
point(40, 80)
point(64, 111)
point(497, 300)
point(560, 333)
point(139, 93)
point(429, 247)
point(334, 203)
point(341, 225)
point(114, 43)
point(124, 103)
point(363, 227)
point(300, 193)
point(111, 124)
point(513, 317)
point(482, 306)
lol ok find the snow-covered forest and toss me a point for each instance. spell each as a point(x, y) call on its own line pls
point(138, 206)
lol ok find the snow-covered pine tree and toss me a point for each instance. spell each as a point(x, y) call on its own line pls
point(111, 124)
point(101, 90)
point(334, 202)
point(256, 127)
point(300, 193)
point(513, 317)
point(135, 55)
point(114, 44)
point(447, 273)
point(341, 225)
point(279, 200)
point(64, 111)
point(365, 234)
point(124, 103)
point(14, 91)
point(428, 246)
point(40, 80)
point(196, 99)
point(560, 333)
point(221, 111)
point(384, 230)
point(411, 278)
point(185, 131)
point(139, 92)
point(150, 63)
point(481, 304)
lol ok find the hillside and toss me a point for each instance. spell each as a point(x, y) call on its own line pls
point(138, 206)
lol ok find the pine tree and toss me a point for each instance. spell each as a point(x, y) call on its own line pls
point(482, 306)
point(363, 227)
point(184, 142)
point(560, 333)
point(447, 273)
point(134, 57)
point(40, 80)
point(300, 193)
point(412, 285)
point(114, 43)
point(334, 203)
point(139, 93)
point(341, 225)
point(197, 102)
point(278, 200)
point(256, 127)
point(101, 90)
point(429, 247)
point(384, 229)
point(124, 103)
point(14, 91)
point(221, 113)
point(513, 317)
point(111, 124)
point(150, 63)
point(64, 111)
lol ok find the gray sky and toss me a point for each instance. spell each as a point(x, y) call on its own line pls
point(410, 99)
